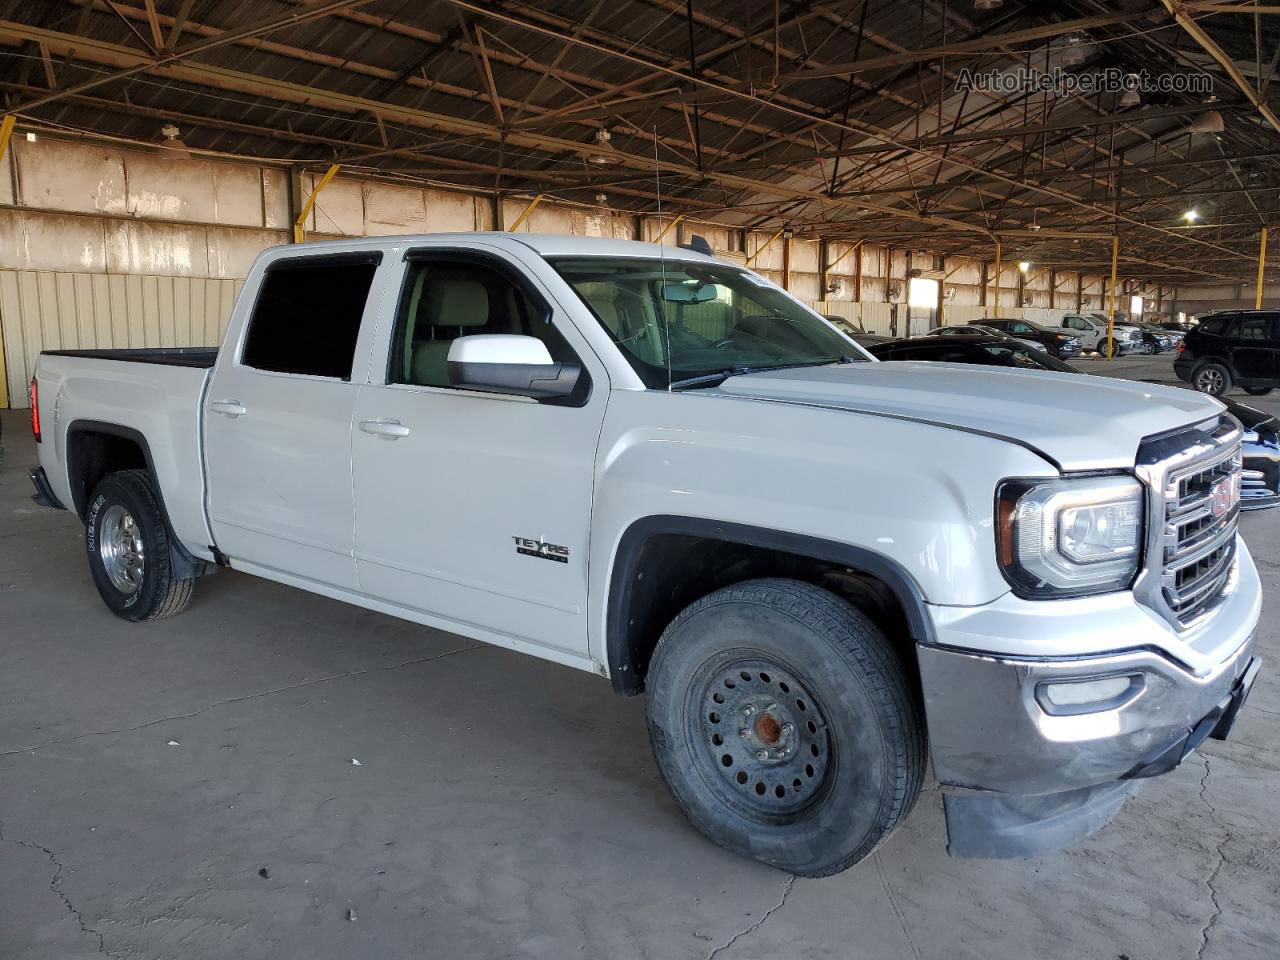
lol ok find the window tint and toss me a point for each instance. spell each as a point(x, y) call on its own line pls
point(307, 317)
point(1020, 328)
point(446, 299)
point(1254, 328)
point(1215, 326)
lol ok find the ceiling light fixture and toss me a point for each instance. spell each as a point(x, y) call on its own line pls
point(605, 155)
point(1191, 216)
point(1130, 97)
point(1075, 53)
point(988, 4)
point(1210, 122)
point(1024, 265)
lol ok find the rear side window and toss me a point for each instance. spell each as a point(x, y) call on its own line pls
point(1254, 328)
point(307, 316)
point(1215, 326)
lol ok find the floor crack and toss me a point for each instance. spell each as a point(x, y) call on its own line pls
point(786, 892)
point(55, 886)
point(311, 681)
point(1211, 881)
point(893, 902)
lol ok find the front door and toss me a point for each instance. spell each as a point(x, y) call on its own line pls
point(278, 422)
point(473, 509)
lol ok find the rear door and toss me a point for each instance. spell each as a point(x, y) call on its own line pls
point(278, 419)
point(473, 509)
point(1253, 346)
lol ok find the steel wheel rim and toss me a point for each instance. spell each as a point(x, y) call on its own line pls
point(121, 549)
point(1209, 381)
point(768, 723)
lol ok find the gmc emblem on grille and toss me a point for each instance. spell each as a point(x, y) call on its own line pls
point(1224, 496)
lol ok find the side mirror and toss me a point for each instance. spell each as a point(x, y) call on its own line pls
point(504, 363)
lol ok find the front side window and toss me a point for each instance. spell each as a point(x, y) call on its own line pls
point(444, 299)
point(1215, 326)
point(306, 319)
point(675, 320)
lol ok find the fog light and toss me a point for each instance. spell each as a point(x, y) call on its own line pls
point(1087, 696)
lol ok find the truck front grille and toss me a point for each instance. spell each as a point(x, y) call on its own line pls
point(1198, 491)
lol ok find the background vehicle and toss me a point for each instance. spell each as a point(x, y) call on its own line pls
point(1235, 349)
point(624, 459)
point(1156, 339)
point(1260, 477)
point(1061, 344)
point(976, 330)
point(982, 349)
point(854, 331)
point(1091, 329)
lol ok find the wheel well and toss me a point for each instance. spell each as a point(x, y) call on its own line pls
point(661, 574)
point(92, 454)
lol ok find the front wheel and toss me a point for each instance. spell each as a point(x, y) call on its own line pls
point(128, 546)
point(1213, 379)
point(784, 725)
point(1147, 349)
point(1257, 391)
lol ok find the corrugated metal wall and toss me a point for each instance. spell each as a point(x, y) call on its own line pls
point(46, 310)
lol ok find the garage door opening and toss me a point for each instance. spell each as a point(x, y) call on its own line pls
point(922, 305)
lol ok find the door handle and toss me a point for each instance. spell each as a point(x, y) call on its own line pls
point(387, 429)
point(228, 408)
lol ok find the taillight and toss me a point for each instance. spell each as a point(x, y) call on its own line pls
point(35, 409)
point(1181, 348)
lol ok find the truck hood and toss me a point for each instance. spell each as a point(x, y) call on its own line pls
point(1080, 422)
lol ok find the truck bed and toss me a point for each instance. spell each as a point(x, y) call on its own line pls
point(199, 357)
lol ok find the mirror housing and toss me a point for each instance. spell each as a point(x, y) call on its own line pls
point(684, 293)
point(506, 363)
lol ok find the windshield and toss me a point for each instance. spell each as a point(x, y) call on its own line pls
point(699, 319)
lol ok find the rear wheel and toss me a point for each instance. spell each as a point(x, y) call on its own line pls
point(1257, 391)
point(784, 725)
point(1213, 379)
point(1147, 349)
point(1108, 347)
point(128, 546)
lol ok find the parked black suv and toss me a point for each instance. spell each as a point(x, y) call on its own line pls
point(1060, 345)
point(1237, 348)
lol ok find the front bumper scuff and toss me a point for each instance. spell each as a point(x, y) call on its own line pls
point(1021, 781)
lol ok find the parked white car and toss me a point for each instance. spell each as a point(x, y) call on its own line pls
point(1091, 329)
point(664, 470)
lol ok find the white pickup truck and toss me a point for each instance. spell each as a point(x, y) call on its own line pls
point(661, 468)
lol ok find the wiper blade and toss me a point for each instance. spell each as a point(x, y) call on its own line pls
point(722, 375)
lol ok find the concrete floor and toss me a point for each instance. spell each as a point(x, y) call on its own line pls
point(189, 789)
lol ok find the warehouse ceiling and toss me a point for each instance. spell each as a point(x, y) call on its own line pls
point(865, 119)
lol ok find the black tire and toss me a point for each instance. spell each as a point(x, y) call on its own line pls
point(814, 801)
point(154, 591)
point(1257, 391)
point(1213, 379)
point(1114, 350)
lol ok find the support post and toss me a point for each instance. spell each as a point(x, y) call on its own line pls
point(984, 278)
point(1079, 291)
point(942, 289)
point(857, 272)
point(786, 260)
point(999, 269)
point(823, 270)
point(675, 222)
point(524, 214)
point(1111, 314)
point(1053, 288)
point(6, 134)
point(1262, 266)
point(300, 225)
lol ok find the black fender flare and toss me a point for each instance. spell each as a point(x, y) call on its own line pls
point(624, 671)
point(184, 564)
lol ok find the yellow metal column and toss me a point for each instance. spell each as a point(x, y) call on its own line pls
point(1262, 264)
point(1111, 314)
point(300, 225)
point(524, 214)
point(6, 134)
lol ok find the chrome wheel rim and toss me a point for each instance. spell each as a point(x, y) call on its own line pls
point(121, 549)
point(1209, 381)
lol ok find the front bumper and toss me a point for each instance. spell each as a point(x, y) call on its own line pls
point(1022, 776)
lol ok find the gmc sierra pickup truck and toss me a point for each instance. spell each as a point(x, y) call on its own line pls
point(659, 467)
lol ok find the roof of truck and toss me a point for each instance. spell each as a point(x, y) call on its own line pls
point(545, 244)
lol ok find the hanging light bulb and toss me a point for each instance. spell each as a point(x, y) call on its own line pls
point(1191, 216)
point(1130, 97)
point(987, 4)
point(1024, 265)
point(1075, 53)
point(605, 155)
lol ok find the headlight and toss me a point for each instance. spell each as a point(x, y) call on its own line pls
point(1070, 536)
